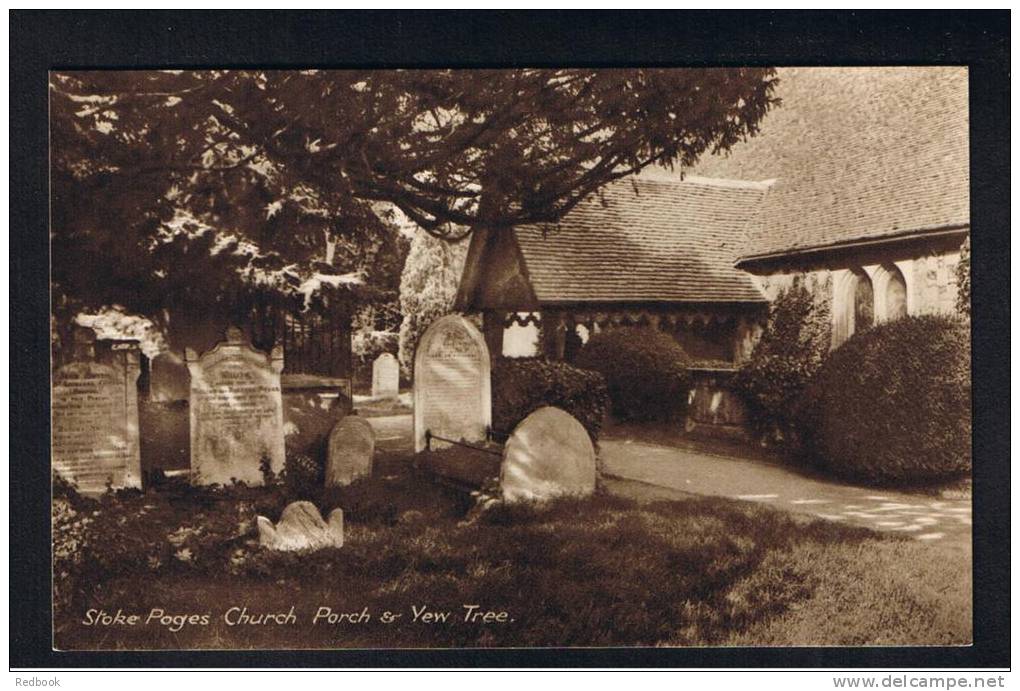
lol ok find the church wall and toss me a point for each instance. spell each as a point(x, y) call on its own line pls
point(928, 273)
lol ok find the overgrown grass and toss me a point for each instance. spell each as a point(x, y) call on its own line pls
point(596, 572)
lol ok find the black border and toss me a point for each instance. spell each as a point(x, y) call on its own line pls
point(61, 39)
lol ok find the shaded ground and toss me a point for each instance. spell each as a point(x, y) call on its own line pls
point(392, 432)
point(599, 571)
point(722, 468)
point(383, 407)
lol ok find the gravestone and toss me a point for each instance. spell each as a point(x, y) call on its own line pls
point(236, 412)
point(301, 528)
point(351, 448)
point(548, 455)
point(452, 388)
point(95, 416)
point(385, 377)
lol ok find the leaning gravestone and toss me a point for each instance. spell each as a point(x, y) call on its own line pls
point(549, 454)
point(301, 528)
point(452, 389)
point(351, 448)
point(385, 377)
point(236, 412)
point(95, 417)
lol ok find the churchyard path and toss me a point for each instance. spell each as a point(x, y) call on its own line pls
point(934, 519)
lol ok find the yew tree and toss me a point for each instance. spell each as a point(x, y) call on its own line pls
point(173, 190)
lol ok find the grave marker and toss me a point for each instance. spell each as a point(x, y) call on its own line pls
point(95, 417)
point(548, 455)
point(385, 377)
point(452, 387)
point(301, 527)
point(236, 412)
point(351, 450)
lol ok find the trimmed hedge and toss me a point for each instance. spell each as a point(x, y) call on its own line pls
point(893, 404)
point(522, 385)
point(791, 350)
point(645, 370)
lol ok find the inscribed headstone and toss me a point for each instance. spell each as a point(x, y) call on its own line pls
point(95, 417)
point(236, 412)
point(452, 388)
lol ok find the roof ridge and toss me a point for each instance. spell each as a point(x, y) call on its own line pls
point(706, 181)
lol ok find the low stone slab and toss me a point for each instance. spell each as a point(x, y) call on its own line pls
point(301, 528)
point(351, 449)
point(548, 455)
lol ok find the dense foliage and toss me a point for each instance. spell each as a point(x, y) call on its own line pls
point(790, 351)
point(375, 330)
point(893, 404)
point(179, 188)
point(522, 385)
point(645, 370)
point(963, 279)
point(428, 286)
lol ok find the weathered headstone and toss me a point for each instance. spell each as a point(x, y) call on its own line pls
point(301, 528)
point(236, 412)
point(351, 448)
point(452, 388)
point(385, 377)
point(95, 417)
point(548, 455)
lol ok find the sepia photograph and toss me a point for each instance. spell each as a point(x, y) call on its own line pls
point(526, 356)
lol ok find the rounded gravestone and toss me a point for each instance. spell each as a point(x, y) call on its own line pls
point(549, 455)
point(236, 411)
point(385, 377)
point(452, 384)
point(351, 448)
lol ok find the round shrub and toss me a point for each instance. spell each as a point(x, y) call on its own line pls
point(645, 370)
point(522, 385)
point(790, 351)
point(892, 405)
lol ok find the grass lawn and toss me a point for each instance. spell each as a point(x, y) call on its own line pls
point(605, 571)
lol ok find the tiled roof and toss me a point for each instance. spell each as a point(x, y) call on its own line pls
point(857, 153)
point(645, 239)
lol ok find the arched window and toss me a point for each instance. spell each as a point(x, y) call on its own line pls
point(895, 293)
point(863, 301)
point(853, 306)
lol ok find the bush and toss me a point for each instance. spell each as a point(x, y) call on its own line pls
point(892, 405)
point(522, 385)
point(645, 371)
point(302, 476)
point(963, 279)
point(790, 351)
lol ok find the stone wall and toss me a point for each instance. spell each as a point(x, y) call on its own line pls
point(929, 275)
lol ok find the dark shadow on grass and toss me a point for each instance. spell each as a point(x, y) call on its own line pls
point(601, 571)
